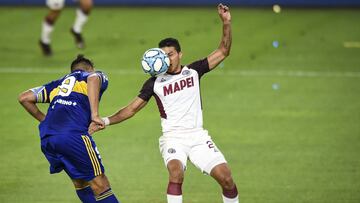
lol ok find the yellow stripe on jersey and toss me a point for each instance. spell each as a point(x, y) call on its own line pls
point(80, 87)
point(94, 160)
point(45, 95)
point(53, 93)
point(40, 97)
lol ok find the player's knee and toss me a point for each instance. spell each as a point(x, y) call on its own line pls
point(176, 175)
point(86, 6)
point(174, 178)
point(86, 10)
point(99, 188)
point(52, 16)
point(176, 171)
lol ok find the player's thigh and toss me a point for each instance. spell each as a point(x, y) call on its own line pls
point(48, 149)
point(80, 156)
point(55, 4)
point(172, 149)
point(205, 155)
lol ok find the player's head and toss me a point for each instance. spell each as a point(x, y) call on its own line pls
point(172, 48)
point(82, 63)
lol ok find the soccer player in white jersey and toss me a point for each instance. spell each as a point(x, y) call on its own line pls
point(177, 94)
point(55, 7)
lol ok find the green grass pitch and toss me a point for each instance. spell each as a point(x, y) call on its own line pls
point(287, 118)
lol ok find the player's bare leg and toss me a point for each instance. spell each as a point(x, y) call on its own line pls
point(82, 14)
point(47, 29)
point(176, 178)
point(102, 190)
point(84, 191)
point(222, 174)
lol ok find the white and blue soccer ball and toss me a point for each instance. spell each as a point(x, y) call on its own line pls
point(155, 62)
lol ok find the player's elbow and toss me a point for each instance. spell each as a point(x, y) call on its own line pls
point(22, 98)
point(25, 97)
point(225, 52)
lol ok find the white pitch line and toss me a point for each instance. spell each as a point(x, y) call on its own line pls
point(245, 73)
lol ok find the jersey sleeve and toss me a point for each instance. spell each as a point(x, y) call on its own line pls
point(147, 89)
point(104, 80)
point(42, 93)
point(201, 66)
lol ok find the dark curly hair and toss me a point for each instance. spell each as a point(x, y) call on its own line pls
point(170, 42)
point(82, 63)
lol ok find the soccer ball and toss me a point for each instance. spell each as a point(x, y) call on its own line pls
point(155, 62)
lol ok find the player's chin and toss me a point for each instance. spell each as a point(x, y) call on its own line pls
point(170, 69)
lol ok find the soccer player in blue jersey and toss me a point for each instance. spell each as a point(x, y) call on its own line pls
point(65, 142)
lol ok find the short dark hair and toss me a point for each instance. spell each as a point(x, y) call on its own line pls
point(81, 63)
point(170, 42)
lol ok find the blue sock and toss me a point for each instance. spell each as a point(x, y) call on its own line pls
point(106, 197)
point(86, 195)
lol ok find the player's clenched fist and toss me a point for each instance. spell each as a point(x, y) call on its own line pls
point(94, 127)
point(224, 13)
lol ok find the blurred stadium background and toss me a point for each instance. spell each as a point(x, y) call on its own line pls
point(284, 107)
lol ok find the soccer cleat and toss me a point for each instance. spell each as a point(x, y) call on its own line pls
point(45, 48)
point(79, 41)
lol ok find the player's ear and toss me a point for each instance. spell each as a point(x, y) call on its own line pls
point(180, 55)
point(90, 69)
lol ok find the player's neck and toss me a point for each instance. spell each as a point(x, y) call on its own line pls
point(175, 71)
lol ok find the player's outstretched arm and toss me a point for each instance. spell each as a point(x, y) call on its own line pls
point(223, 50)
point(124, 113)
point(28, 100)
point(128, 111)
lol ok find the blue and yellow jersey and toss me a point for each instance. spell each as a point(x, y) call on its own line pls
point(69, 109)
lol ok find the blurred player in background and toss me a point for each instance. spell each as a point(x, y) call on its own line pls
point(65, 142)
point(55, 7)
point(177, 94)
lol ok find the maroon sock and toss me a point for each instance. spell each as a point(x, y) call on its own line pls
point(49, 21)
point(174, 188)
point(230, 193)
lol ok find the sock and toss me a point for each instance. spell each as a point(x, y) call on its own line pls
point(80, 20)
point(174, 193)
point(106, 197)
point(230, 196)
point(86, 195)
point(174, 198)
point(46, 31)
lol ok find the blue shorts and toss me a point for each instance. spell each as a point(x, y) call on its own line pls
point(76, 154)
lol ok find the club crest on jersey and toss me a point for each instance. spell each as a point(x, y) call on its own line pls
point(186, 72)
point(178, 86)
point(171, 151)
point(162, 80)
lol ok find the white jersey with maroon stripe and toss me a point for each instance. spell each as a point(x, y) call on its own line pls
point(178, 97)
